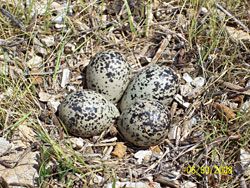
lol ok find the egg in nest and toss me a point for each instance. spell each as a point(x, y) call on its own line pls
point(87, 113)
point(155, 82)
point(145, 123)
point(108, 74)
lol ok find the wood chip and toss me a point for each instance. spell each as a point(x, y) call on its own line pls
point(156, 149)
point(181, 101)
point(65, 77)
point(160, 50)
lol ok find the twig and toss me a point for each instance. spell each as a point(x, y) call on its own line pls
point(13, 20)
point(233, 17)
point(6, 43)
point(42, 73)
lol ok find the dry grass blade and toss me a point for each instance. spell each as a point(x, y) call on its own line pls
point(149, 17)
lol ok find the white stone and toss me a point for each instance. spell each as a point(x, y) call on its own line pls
point(198, 82)
point(71, 88)
point(53, 103)
point(24, 172)
point(248, 83)
point(246, 106)
point(203, 10)
point(98, 179)
point(187, 78)
point(245, 161)
point(186, 89)
point(58, 19)
point(60, 26)
point(48, 40)
point(188, 184)
point(39, 47)
point(44, 97)
point(35, 61)
point(77, 143)
point(70, 46)
point(142, 154)
point(40, 50)
point(5, 146)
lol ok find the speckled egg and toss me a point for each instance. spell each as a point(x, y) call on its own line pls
point(109, 74)
point(155, 82)
point(87, 113)
point(145, 123)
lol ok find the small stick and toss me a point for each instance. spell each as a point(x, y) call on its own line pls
point(6, 43)
point(233, 17)
point(12, 18)
point(41, 74)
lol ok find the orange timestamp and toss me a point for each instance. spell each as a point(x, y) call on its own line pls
point(207, 170)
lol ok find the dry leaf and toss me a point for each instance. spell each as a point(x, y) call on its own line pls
point(239, 99)
point(36, 76)
point(228, 112)
point(37, 80)
point(120, 150)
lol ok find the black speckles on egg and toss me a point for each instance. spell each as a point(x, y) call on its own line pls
point(108, 74)
point(145, 123)
point(153, 83)
point(87, 113)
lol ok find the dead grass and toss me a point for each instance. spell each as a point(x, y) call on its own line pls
point(198, 44)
